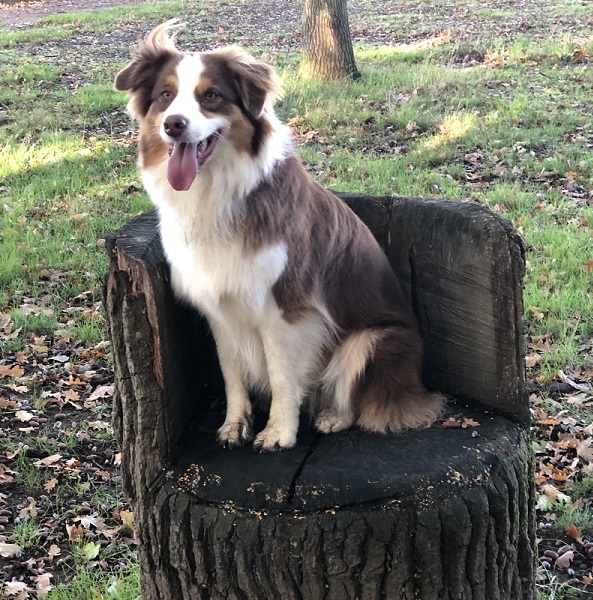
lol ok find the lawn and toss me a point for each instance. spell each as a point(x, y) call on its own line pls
point(457, 100)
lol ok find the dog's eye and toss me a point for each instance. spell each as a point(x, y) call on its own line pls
point(210, 95)
point(166, 95)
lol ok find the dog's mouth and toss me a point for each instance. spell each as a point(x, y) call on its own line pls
point(186, 159)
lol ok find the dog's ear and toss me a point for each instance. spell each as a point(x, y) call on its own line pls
point(137, 77)
point(256, 83)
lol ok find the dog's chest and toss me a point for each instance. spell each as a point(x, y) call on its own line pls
point(209, 271)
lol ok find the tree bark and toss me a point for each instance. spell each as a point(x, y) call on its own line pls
point(444, 513)
point(326, 41)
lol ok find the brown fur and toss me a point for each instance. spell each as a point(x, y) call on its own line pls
point(335, 261)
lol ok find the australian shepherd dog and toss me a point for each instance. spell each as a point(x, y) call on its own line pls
point(301, 300)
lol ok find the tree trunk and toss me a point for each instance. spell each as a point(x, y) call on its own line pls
point(444, 513)
point(326, 42)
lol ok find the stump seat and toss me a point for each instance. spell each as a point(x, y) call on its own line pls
point(440, 513)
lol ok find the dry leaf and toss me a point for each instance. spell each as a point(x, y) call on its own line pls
point(9, 550)
point(75, 532)
point(127, 518)
point(574, 533)
point(563, 561)
point(101, 392)
point(585, 451)
point(99, 425)
point(49, 461)
point(90, 521)
point(42, 583)
point(54, 551)
point(6, 371)
point(16, 588)
point(48, 486)
point(24, 416)
point(29, 509)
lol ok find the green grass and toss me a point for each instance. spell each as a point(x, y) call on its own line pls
point(26, 533)
point(92, 583)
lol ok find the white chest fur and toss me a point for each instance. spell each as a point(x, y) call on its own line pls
point(209, 265)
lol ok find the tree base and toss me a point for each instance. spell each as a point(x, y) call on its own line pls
point(443, 513)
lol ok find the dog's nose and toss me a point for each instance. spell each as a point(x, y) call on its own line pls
point(175, 125)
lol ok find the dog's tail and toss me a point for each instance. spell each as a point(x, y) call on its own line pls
point(390, 395)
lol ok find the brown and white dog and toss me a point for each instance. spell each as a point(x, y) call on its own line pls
point(301, 300)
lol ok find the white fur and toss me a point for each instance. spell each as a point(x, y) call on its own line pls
point(189, 72)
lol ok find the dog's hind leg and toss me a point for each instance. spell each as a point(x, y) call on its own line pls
point(339, 379)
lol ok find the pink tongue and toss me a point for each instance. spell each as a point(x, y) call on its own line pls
point(183, 166)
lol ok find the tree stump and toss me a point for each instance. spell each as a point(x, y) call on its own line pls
point(442, 513)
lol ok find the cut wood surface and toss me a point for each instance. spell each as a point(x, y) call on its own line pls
point(442, 513)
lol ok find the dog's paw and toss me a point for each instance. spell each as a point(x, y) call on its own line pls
point(235, 434)
point(274, 439)
point(330, 421)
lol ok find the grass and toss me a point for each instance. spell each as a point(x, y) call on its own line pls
point(91, 583)
point(511, 131)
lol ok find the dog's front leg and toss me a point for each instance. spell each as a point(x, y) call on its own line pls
point(237, 427)
point(287, 394)
point(292, 354)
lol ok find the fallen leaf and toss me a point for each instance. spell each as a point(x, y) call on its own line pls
point(6, 371)
point(585, 451)
point(6, 474)
point(29, 510)
point(75, 532)
point(24, 416)
point(71, 395)
point(42, 583)
point(90, 521)
point(9, 550)
point(54, 551)
point(16, 588)
point(574, 533)
point(581, 387)
point(49, 461)
point(101, 392)
point(91, 550)
point(49, 485)
point(564, 560)
point(127, 518)
point(99, 425)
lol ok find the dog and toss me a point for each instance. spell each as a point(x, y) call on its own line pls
point(300, 298)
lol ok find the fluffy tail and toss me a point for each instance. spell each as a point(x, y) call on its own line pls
point(390, 396)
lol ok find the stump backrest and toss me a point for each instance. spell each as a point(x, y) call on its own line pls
point(462, 268)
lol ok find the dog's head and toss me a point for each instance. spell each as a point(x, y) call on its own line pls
point(187, 102)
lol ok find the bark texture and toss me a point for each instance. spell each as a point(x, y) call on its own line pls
point(443, 513)
point(326, 41)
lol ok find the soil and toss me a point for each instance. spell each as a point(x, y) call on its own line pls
point(26, 13)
